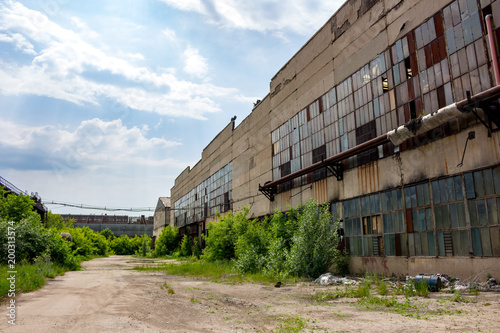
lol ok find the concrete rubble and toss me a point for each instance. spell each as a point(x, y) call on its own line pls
point(329, 279)
point(446, 282)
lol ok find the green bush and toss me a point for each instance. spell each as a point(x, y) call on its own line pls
point(186, 246)
point(167, 241)
point(16, 207)
point(108, 234)
point(196, 248)
point(314, 243)
point(121, 245)
point(251, 246)
point(222, 236)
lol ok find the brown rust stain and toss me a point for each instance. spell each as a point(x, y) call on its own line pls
point(320, 191)
point(368, 178)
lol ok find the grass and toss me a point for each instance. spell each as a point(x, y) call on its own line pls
point(291, 324)
point(216, 271)
point(29, 276)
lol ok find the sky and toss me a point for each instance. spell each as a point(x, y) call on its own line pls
point(104, 103)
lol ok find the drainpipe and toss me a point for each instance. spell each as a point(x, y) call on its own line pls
point(493, 49)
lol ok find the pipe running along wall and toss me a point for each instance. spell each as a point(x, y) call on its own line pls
point(397, 136)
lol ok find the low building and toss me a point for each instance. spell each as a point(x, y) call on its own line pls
point(162, 216)
point(118, 224)
point(424, 198)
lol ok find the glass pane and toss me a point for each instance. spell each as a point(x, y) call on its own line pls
point(413, 193)
point(458, 188)
point(427, 198)
point(418, 244)
point(440, 239)
point(421, 219)
point(461, 214)
point(496, 179)
point(486, 244)
point(399, 199)
point(442, 190)
point(416, 222)
point(473, 214)
point(436, 198)
point(420, 195)
point(404, 250)
point(375, 204)
point(481, 212)
point(451, 190)
point(492, 211)
point(425, 246)
point(439, 218)
point(453, 216)
point(478, 182)
point(488, 182)
point(387, 245)
point(445, 217)
point(428, 219)
point(469, 186)
point(430, 244)
point(411, 244)
point(495, 240)
point(407, 198)
point(476, 242)
point(386, 201)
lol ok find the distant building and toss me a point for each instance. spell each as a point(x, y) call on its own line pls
point(410, 201)
point(162, 215)
point(118, 224)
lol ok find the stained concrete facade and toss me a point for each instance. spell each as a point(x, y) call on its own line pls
point(162, 215)
point(407, 59)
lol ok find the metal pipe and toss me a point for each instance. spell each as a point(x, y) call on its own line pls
point(493, 49)
point(492, 92)
point(379, 140)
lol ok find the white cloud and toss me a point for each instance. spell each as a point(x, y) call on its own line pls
point(94, 143)
point(59, 71)
point(20, 42)
point(170, 34)
point(300, 16)
point(195, 64)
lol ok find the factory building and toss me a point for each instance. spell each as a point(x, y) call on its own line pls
point(390, 113)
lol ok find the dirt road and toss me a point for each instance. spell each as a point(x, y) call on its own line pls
point(107, 297)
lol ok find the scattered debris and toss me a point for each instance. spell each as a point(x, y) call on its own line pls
point(435, 282)
point(329, 279)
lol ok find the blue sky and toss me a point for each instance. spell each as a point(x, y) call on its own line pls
point(105, 102)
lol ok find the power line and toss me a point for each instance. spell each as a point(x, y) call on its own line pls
point(110, 209)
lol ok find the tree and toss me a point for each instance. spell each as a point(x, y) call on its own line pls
point(315, 241)
point(16, 207)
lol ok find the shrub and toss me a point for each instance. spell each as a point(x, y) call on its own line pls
point(108, 234)
point(222, 236)
point(315, 241)
point(251, 245)
point(186, 246)
point(167, 242)
point(196, 248)
point(121, 245)
point(16, 207)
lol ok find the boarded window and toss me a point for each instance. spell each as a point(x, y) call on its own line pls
point(365, 133)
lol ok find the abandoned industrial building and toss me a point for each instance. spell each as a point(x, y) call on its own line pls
point(389, 113)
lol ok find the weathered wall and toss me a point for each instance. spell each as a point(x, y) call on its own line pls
point(460, 267)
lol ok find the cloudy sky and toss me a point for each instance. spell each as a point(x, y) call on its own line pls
point(105, 102)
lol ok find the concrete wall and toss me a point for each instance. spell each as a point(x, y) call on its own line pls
point(161, 219)
point(130, 230)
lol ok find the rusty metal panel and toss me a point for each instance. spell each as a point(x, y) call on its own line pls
point(320, 191)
